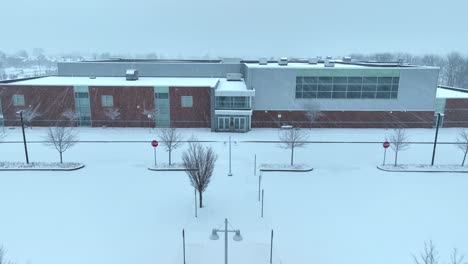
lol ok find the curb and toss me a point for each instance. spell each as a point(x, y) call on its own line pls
point(39, 169)
point(430, 171)
point(287, 170)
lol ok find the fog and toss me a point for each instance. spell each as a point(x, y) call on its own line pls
point(235, 28)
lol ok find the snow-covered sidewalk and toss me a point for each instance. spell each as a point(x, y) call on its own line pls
point(40, 166)
point(423, 168)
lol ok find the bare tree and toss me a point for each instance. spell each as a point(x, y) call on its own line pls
point(429, 256)
point(398, 142)
point(30, 114)
point(70, 115)
point(112, 113)
point(199, 163)
point(171, 139)
point(61, 138)
point(2, 256)
point(455, 258)
point(150, 114)
point(462, 141)
point(312, 111)
point(292, 138)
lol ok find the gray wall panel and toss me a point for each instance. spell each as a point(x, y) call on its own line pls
point(275, 90)
point(116, 69)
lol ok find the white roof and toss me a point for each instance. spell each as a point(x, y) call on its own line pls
point(296, 65)
point(446, 93)
point(119, 81)
point(233, 88)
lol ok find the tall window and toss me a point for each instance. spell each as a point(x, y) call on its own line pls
point(18, 100)
point(107, 100)
point(347, 87)
point(187, 101)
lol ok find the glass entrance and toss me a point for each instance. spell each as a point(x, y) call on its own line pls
point(223, 123)
point(239, 123)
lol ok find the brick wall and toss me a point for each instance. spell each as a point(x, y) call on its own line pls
point(345, 119)
point(196, 116)
point(456, 113)
point(49, 101)
point(131, 102)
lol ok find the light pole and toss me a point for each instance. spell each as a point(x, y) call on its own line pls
point(230, 172)
point(279, 120)
point(149, 122)
point(237, 237)
point(20, 112)
point(435, 139)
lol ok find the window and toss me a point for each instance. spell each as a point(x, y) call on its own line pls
point(187, 101)
point(107, 100)
point(374, 86)
point(18, 100)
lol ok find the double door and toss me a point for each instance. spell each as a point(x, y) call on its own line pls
point(226, 123)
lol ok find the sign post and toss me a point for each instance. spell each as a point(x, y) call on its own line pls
point(154, 143)
point(386, 144)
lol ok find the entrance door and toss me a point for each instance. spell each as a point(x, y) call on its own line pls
point(239, 123)
point(223, 123)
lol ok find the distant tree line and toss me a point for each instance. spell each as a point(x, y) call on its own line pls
point(453, 66)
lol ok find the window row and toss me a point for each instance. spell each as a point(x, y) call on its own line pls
point(232, 102)
point(347, 87)
point(348, 95)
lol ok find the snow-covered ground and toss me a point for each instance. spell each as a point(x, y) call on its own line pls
point(345, 211)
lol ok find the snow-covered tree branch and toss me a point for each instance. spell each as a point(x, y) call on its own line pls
point(462, 141)
point(199, 163)
point(292, 138)
point(61, 138)
point(171, 139)
point(398, 142)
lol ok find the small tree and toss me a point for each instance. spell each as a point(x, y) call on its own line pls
point(61, 138)
point(70, 115)
point(462, 141)
point(429, 256)
point(312, 111)
point(199, 163)
point(293, 138)
point(30, 114)
point(171, 139)
point(112, 113)
point(398, 142)
point(455, 258)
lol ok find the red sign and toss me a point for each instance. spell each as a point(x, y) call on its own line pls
point(386, 144)
point(154, 143)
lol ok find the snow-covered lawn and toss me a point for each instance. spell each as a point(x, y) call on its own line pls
point(117, 211)
point(285, 167)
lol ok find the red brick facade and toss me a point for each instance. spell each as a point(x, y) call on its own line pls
point(49, 102)
point(345, 119)
point(199, 115)
point(456, 113)
point(130, 101)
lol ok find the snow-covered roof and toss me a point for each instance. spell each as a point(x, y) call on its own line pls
point(233, 88)
point(119, 81)
point(296, 65)
point(446, 93)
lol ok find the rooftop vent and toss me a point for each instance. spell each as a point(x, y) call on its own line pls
point(283, 61)
point(131, 75)
point(313, 60)
point(329, 63)
point(92, 77)
point(347, 59)
point(329, 57)
point(234, 77)
point(263, 61)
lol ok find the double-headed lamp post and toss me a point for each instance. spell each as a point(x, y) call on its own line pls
point(237, 237)
point(20, 113)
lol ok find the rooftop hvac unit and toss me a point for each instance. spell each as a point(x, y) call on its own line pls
point(283, 61)
point(347, 59)
point(234, 77)
point(329, 57)
point(131, 75)
point(263, 61)
point(313, 60)
point(329, 63)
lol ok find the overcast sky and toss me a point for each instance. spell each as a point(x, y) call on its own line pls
point(235, 28)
